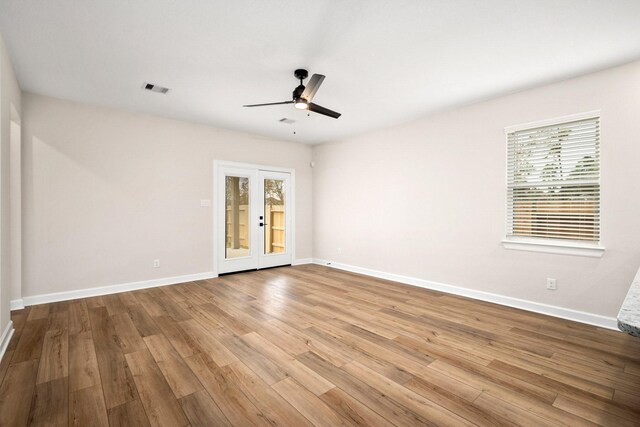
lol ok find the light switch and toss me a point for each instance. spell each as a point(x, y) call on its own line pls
point(205, 202)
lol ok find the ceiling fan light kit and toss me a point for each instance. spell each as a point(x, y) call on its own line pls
point(301, 104)
point(302, 95)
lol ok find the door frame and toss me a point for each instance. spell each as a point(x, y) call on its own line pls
point(218, 198)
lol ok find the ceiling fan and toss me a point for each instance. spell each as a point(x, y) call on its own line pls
point(302, 95)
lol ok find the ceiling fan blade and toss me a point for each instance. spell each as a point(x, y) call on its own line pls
point(312, 87)
point(270, 103)
point(324, 111)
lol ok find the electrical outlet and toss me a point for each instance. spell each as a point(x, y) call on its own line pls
point(339, 250)
point(551, 284)
point(156, 263)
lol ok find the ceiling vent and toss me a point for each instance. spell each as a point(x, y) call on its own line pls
point(154, 88)
point(287, 121)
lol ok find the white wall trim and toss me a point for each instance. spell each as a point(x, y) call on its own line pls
point(113, 289)
point(554, 248)
point(228, 163)
point(302, 261)
point(6, 337)
point(554, 121)
point(536, 307)
point(17, 304)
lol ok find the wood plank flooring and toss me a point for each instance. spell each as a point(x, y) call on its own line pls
point(310, 345)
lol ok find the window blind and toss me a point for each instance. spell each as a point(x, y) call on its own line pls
point(553, 181)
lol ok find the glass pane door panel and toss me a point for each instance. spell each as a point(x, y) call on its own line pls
point(237, 230)
point(274, 228)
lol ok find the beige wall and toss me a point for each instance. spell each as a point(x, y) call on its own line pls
point(15, 207)
point(10, 98)
point(105, 192)
point(427, 199)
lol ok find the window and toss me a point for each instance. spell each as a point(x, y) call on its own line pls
point(553, 185)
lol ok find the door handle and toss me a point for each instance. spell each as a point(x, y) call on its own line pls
point(263, 223)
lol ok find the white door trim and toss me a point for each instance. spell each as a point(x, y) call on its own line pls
point(219, 198)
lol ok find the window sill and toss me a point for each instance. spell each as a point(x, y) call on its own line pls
point(563, 248)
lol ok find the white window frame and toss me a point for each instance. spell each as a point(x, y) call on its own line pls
point(543, 244)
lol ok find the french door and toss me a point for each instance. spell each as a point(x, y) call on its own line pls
point(253, 210)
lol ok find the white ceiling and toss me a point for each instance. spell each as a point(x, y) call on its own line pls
point(385, 61)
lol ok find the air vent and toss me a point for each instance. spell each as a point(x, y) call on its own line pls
point(154, 88)
point(287, 121)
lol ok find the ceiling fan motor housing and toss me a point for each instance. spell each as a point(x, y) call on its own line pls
point(297, 92)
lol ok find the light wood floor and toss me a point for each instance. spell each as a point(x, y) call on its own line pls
point(310, 345)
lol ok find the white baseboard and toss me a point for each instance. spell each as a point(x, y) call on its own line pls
point(17, 304)
point(564, 313)
point(6, 337)
point(112, 289)
point(536, 307)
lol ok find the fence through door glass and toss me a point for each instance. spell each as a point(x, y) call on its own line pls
point(237, 233)
point(274, 216)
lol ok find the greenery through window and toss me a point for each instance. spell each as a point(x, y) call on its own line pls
point(553, 181)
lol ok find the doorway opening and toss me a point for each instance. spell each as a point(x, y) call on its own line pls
point(253, 217)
